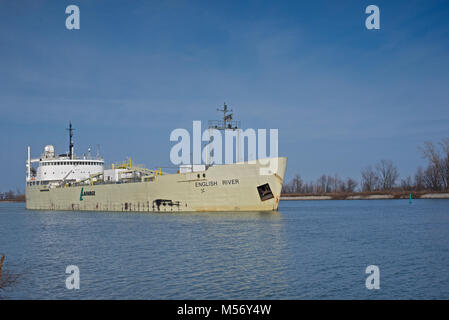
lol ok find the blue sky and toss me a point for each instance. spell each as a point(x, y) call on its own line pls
point(343, 97)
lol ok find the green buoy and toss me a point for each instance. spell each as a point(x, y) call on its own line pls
point(410, 198)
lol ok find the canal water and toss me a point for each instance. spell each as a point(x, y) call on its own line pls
point(307, 250)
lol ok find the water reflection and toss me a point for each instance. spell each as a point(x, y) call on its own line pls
point(314, 250)
point(201, 255)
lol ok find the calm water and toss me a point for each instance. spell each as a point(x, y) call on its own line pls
point(308, 250)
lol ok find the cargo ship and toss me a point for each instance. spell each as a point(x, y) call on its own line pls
point(69, 182)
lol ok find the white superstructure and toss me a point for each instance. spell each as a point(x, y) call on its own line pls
point(55, 170)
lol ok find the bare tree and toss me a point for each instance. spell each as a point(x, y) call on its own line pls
point(341, 186)
point(350, 185)
point(407, 184)
point(432, 178)
point(437, 164)
point(330, 184)
point(287, 187)
point(310, 188)
point(383, 177)
point(337, 184)
point(445, 160)
point(387, 173)
point(321, 184)
point(419, 179)
point(369, 179)
point(297, 184)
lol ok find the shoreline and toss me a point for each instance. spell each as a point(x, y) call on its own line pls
point(367, 196)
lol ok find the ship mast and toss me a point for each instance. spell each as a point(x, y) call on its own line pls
point(226, 117)
point(226, 124)
point(70, 129)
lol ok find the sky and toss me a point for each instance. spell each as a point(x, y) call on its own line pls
point(342, 97)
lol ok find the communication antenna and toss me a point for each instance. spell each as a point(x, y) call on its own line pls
point(226, 124)
point(226, 117)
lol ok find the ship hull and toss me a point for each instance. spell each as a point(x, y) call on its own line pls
point(232, 187)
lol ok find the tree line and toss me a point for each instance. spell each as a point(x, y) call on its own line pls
point(12, 196)
point(384, 176)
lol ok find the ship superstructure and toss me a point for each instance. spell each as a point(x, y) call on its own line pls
point(64, 169)
point(69, 182)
